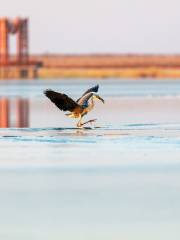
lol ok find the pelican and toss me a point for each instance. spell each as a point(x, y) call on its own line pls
point(78, 108)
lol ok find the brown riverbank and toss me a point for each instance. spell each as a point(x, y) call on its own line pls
point(108, 73)
point(97, 66)
point(106, 66)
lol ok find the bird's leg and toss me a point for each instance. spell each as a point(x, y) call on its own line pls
point(90, 121)
point(79, 124)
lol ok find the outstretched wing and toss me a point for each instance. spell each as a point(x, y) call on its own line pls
point(62, 101)
point(83, 101)
point(90, 90)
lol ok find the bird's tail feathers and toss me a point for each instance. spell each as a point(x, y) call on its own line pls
point(72, 115)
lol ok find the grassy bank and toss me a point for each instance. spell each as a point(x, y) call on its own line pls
point(109, 72)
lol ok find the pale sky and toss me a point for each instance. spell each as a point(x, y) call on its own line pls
point(99, 26)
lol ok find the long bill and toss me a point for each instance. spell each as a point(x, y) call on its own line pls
point(100, 98)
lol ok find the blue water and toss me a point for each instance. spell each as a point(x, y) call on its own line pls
point(108, 87)
point(115, 181)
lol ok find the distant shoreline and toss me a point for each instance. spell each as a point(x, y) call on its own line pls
point(108, 65)
point(96, 66)
point(109, 73)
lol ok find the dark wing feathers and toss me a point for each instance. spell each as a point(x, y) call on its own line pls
point(93, 89)
point(62, 101)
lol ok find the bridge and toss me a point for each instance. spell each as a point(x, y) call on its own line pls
point(19, 65)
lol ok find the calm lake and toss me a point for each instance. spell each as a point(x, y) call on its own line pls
point(117, 179)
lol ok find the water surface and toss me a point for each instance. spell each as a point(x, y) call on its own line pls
point(117, 179)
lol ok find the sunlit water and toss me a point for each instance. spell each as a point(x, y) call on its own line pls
point(117, 179)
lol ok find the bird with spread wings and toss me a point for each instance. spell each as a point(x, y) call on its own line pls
point(78, 108)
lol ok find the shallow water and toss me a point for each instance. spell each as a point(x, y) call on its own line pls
point(118, 179)
point(108, 87)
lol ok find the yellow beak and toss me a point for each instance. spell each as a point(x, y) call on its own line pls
point(101, 99)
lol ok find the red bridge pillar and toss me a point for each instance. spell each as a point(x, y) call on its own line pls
point(4, 113)
point(20, 116)
point(4, 48)
point(20, 28)
point(22, 41)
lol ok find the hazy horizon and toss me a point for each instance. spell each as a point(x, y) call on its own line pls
point(100, 26)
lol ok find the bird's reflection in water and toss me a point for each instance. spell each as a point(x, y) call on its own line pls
point(81, 132)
